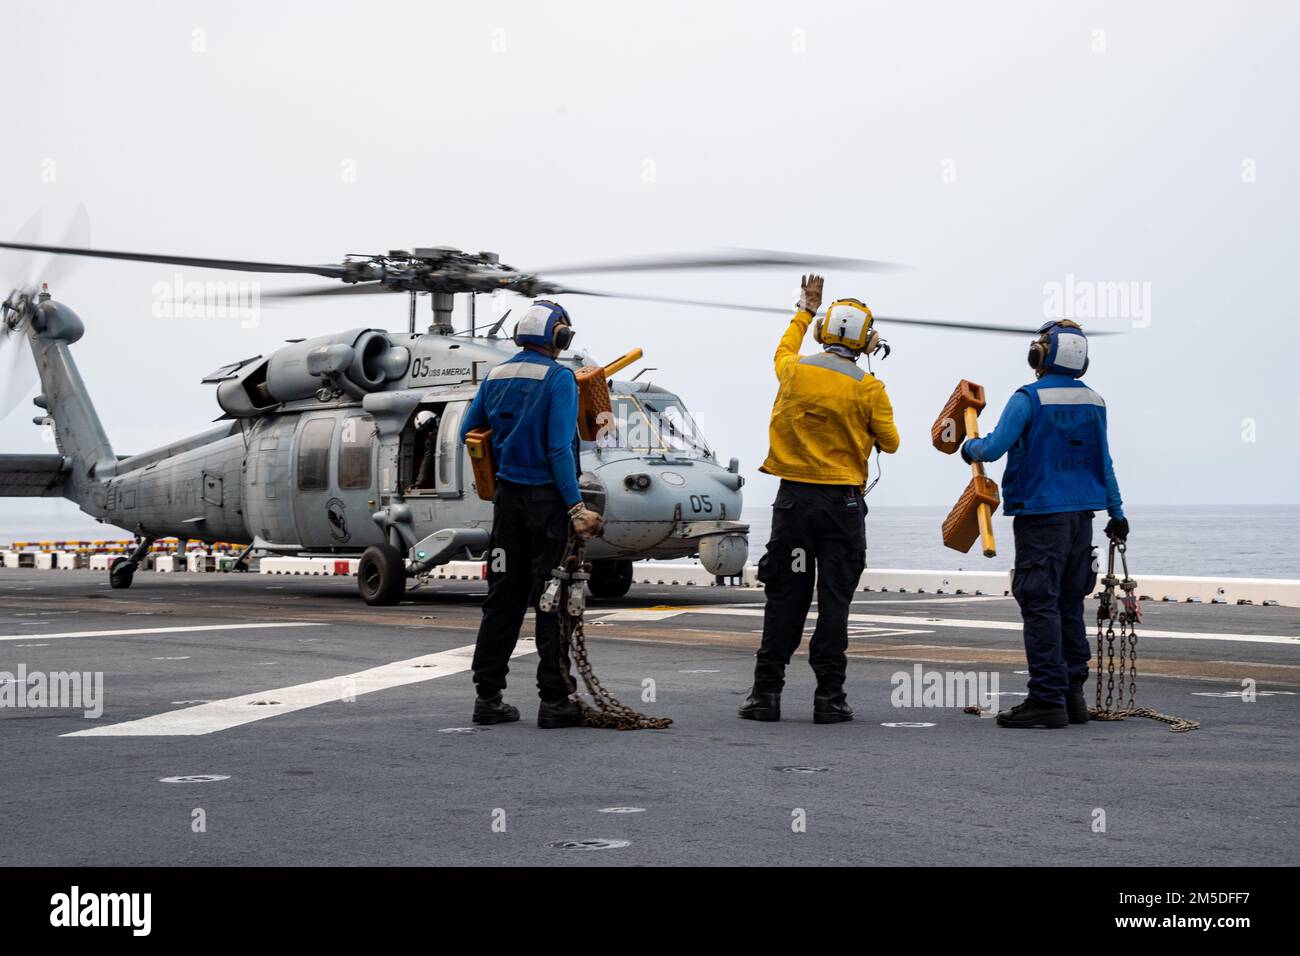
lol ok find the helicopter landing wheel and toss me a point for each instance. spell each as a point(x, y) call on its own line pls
point(610, 579)
point(120, 574)
point(381, 575)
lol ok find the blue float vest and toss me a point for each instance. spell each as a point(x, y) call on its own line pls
point(1059, 464)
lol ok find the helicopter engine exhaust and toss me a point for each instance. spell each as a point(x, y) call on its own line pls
point(354, 363)
point(289, 376)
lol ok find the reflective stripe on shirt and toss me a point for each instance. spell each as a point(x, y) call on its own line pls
point(1070, 396)
point(835, 363)
point(533, 370)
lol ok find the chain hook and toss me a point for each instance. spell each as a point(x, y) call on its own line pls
point(569, 602)
point(1126, 611)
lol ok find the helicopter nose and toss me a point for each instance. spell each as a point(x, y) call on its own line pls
point(639, 490)
point(645, 501)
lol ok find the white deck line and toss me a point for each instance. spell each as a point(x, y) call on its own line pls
point(993, 583)
point(189, 629)
point(236, 711)
point(928, 622)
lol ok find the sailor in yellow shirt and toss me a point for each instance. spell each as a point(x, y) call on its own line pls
point(829, 414)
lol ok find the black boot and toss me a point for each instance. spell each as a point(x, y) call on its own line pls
point(761, 705)
point(1034, 713)
point(559, 713)
point(1076, 705)
point(831, 707)
point(491, 710)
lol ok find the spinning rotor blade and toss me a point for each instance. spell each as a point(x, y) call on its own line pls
point(471, 273)
point(53, 269)
point(933, 323)
point(17, 370)
point(972, 326)
point(328, 271)
point(734, 259)
point(361, 288)
point(16, 267)
point(19, 267)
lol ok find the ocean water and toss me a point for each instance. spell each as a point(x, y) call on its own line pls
point(1252, 541)
point(1238, 541)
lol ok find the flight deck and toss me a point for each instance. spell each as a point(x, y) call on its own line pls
point(258, 719)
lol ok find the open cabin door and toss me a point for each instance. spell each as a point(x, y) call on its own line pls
point(432, 454)
point(450, 453)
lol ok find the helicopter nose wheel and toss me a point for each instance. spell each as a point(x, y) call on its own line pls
point(381, 575)
point(610, 579)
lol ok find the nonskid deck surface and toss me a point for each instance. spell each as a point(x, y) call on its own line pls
point(338, 732)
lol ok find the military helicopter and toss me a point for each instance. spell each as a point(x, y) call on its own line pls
point(348, 443)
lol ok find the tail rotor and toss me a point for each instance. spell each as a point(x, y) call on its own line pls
point(17, 369)
point(31, 275)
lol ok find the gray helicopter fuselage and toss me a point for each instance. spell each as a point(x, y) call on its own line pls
point(350, 443)
point(326, 449)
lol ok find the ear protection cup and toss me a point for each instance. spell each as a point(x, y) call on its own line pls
point(1038, 352)
point(563, 336)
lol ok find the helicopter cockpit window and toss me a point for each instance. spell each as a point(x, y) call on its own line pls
point(314, 454)
point(654, 424)
point(355, 452)
point(677, 429)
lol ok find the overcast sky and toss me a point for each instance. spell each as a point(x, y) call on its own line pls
point(997, 148)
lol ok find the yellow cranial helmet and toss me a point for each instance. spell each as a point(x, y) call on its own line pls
point(847, 322)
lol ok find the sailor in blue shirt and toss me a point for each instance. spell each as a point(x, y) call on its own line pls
point(1058, 474)
point(531, 404)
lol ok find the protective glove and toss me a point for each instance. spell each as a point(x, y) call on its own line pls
point(965, 455)
point(810, 294)
point(1117, 528)
point(586, 523)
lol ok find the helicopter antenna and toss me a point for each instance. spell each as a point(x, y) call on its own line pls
point(492, 332)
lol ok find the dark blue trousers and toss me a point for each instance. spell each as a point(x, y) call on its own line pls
point(1053, 575)
point(530, 527)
